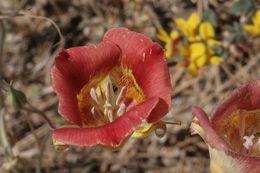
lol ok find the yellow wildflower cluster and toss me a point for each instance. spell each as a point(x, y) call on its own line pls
point(194, 40)
point(254, 29)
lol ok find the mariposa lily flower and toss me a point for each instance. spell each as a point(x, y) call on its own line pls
point(118, 88)
point(233, 132)
point(254, 28)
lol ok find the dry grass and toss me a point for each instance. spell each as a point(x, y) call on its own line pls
point(28, 55)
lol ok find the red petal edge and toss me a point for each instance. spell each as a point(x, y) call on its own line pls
point(72, 70)
point(150, 69)
point(246, 97)
point(211, 137)
point(111, 135)
point(215, 141)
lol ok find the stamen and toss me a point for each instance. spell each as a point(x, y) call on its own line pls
point(110, 115)
point(93, 110)
point(101, 93)
point(248, 141)
point(121, 95)
point(93, 95)
point(107, 107)
point(121, 109)
point(108, 90)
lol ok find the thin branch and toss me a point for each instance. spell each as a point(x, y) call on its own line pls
point(21, 14)
point(42, 149)
point(4, 141)
point(2, 38)
point(38, 166)
point(34, 110)
point(172, 122)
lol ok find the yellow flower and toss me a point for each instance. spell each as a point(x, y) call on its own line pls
point(189, 27)
point(169, 40)
point(201, 55)
point(254, 29)
point(216, 60)
point(198, 51)
point(207, 33)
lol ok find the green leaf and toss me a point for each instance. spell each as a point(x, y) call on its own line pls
point(18, 98)
point(229, 28)
point(242, 6)
point(217, 50)
point(237, 32)
point(210, 16)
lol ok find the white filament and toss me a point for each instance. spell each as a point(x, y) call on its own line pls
point(110, 115)
point(93, 95)
point(121, 95)
point(121, 109)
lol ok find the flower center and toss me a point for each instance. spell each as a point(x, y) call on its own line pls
point(107, 96)
point(242, 131)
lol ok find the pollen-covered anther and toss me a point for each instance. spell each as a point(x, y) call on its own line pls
point(108, 92)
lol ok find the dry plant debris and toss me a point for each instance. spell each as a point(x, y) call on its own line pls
point(33, 32)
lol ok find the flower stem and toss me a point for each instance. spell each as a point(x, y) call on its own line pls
point(34, 110)
point(172, 122)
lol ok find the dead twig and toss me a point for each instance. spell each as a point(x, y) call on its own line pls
point(21, 14)
point(38, 166)
point(34, 110)
point(2, 38)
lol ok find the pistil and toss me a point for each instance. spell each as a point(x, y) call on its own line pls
point(106, 106)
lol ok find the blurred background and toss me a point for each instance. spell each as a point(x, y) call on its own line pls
point(32, 32)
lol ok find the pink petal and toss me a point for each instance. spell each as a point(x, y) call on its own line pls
point(246, 97)
point(147, 61)
point(111, 135)
point(211, 137)
point(74, 67)
point(250, 164)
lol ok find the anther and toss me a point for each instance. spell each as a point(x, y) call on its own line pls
point(108, 89)
point(93, 110)
point(93, 95)
point(121, 109)
point(110, 115)
point(121, 95)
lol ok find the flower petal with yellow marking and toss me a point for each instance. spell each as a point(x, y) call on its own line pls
point(148, 128)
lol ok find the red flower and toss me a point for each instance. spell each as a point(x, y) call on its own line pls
point(233, 133)
point(108, 90)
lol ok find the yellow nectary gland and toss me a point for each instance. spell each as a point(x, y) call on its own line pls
point(123, 76)
point(103, 98)
point(241, 127)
